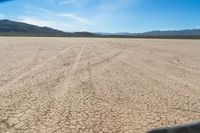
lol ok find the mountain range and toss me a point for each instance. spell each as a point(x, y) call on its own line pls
point(189, 32)
point(12, 28)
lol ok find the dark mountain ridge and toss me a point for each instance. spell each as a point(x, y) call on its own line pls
point(8, 27)
point(12, 28)
point(190, 32)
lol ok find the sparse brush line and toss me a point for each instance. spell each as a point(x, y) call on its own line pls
point(35, 68)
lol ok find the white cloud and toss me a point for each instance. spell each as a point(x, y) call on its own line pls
point(197, 27)
point(109, 6)
point(63, 21)
point(2, 16)
point(74, 3)
point(76, 18)
point(100, 14)
point(43, 22)
point(36, 21)
point(64, 2)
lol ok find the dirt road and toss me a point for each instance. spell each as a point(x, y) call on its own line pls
point(85, 85)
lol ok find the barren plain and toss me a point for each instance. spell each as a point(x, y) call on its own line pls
point(96, 85)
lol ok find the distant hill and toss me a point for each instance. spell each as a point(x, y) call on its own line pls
point(13, 28)
point(192, 32)
point(182, 34)
point(119, 33)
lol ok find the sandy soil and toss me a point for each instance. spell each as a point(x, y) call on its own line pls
point(76, 85)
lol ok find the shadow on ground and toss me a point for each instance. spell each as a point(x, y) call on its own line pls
point(192, 128)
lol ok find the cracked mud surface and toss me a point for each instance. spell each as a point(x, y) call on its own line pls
point(82, 85)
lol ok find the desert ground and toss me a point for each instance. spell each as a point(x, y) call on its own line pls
point(96, 85)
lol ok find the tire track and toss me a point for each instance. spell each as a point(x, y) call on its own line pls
point(98, 87)
point(73, 69)
point(34, 68)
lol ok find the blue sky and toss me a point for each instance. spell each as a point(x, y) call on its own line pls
point(105, 15)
